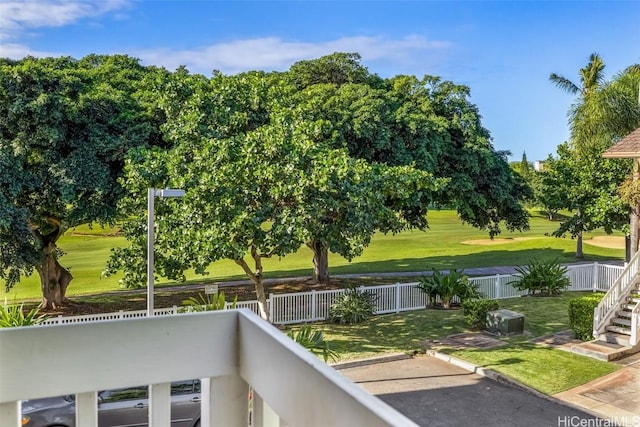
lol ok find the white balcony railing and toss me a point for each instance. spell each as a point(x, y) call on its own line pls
point(231, 351)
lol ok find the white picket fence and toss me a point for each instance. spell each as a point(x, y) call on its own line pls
point(314, 306)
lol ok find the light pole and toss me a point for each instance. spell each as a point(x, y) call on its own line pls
point(152, 193)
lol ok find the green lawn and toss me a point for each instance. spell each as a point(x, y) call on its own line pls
point(441, 247)
point(547, 370)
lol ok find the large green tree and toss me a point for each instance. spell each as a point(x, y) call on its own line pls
point(585, 185)
point(427, 123)
point(65, 128)
point(260, 194)
point(603, 112)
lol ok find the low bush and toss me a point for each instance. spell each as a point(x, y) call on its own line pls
point(542, 277)
point(475, 311)
point(207, 302)
point(581, 315)
point(313, 340)
point(14, 315)
point(353, 306)
point(447, 286)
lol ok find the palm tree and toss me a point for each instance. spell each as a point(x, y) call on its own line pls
point(604, 113)
point(591, 78)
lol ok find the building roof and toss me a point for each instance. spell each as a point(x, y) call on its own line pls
point(627, 148)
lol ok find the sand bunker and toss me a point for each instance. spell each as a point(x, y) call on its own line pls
point(482, 242)
point(612, 242)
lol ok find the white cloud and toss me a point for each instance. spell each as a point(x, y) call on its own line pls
point(276, 54)
point(17, 51)
point(18, 17)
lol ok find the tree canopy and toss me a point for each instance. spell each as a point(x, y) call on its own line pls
point(603, 112)
point(323, 155)
point(65, 128)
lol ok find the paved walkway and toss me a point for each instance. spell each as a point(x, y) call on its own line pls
point(432, 392)
point(429, 390)
point(614, 396)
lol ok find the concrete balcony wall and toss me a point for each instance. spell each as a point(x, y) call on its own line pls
point(229, 350)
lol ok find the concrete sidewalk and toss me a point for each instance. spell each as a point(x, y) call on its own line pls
point(440, 390)
point(614, 396)
point(432, 392)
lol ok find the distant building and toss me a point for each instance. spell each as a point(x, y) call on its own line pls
point(538, 165)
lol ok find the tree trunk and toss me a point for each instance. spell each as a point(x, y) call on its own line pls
point(257, 279)
point(579, 252)
point(54, 279)
point(320, 262)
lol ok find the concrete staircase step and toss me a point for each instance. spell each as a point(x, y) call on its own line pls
point(600, 350)
point(615, 338)
point(618, 330)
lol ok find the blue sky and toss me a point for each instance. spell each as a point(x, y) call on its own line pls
point(504, 51)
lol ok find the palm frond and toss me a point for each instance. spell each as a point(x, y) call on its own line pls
point(564, 84)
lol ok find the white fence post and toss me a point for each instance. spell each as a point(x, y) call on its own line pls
point(497, 287)
point(596, 277)
point(398, 299)
point(271, 303)
point(313, 305)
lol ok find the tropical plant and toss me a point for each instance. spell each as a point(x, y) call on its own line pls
point(353, 306)
point(454, 283)
point(475, 311)
point(208, 302)
point(313, 340)
point(602, 114)
point(12, 315)
point(542, 277)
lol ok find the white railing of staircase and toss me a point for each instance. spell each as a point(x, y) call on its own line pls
point(635, 325)
point(614, 297)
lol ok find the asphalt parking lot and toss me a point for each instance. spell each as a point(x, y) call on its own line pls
point(432, 392)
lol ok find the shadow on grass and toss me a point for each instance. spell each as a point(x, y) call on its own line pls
point(484, 258)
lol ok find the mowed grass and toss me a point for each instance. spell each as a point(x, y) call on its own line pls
point(545, 369)
point(441, 246)
point(405, 332)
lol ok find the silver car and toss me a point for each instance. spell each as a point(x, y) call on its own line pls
point(123, 407)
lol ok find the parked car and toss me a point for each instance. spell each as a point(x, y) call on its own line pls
point(123, 407)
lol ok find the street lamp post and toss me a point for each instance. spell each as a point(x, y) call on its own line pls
point(152, 193)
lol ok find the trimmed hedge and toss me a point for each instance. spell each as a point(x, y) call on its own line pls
point(581, 315)
point(475, 311)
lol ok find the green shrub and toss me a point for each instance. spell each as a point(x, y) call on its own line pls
point(313, 340)
point(581, 315)
point(447, 286)
point(353, 306)
point(542, 277)
point(207, 302)
point(14, 315)
point(475, 311)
